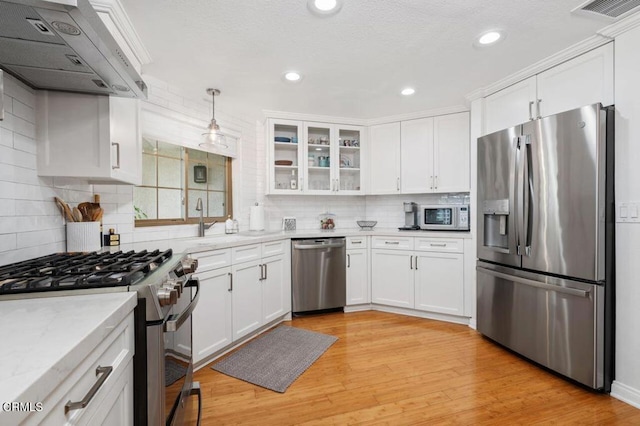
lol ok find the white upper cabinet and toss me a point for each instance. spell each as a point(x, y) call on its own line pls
point(384, 160)
point(88, 136)
point(583, 80)
point(416, 156)
point(451, 153)
point(435, 154)
point(315, 158)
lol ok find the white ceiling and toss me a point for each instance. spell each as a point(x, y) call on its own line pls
point(354, 63)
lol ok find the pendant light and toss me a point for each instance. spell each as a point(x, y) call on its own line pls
point(213, 138)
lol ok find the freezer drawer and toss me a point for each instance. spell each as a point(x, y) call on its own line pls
point(554, 322)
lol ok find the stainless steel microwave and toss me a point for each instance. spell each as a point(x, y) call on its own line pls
point(445, 217)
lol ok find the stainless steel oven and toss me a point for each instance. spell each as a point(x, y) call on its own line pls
point(167, 295)
point(444, 217)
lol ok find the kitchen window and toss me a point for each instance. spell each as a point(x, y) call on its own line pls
point(173, 178)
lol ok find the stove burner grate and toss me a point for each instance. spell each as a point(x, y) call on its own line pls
point(71, 271)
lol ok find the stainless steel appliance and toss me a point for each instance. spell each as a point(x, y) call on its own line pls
point(319, 274)
point(545, 277)
point(64, 46)
point(410, 217)
point(167, 295)
point(445, 217)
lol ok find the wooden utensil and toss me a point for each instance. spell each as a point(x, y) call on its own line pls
point(66, 211)
point(85, 209)
point(77, 215)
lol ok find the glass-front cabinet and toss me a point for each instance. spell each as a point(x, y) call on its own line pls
point(286, 156)
point(321, 158)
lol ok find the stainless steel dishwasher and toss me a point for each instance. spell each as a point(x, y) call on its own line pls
point(318, 273)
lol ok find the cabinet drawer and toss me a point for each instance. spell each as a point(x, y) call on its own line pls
point(213, 259)
point(356, 242)
point(448, 245)
point(394, 243)
point(273, 248)
point(245, 253)
point(115, 351)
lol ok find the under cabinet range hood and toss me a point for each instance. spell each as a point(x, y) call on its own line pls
point(64, 45)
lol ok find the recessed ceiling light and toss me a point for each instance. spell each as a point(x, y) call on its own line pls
point(408, 91)
point(490, 37)
point(292, 76)
point(324, 7)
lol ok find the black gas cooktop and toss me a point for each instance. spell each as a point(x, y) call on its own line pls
point(71, 271)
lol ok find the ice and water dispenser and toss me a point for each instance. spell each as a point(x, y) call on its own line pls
point(496, 223)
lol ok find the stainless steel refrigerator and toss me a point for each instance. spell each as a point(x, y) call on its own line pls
point(545, 270)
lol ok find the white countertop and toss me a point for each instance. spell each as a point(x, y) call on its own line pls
point(219, 241)
point(44, 339)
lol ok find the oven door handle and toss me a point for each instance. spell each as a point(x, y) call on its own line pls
point(174, 321)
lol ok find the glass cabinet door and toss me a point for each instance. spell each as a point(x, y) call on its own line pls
point(319, 141)
point(286, 168)
point(348, 162)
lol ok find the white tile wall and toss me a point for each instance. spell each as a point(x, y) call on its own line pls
point(30, 223)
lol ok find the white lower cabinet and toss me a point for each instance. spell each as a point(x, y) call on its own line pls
point(392, 278)
point(428, 278)
point(241, 289)
point(212, 317)
point(439, 283)
point(111, 365)
point(246, 296)
point(358, 288)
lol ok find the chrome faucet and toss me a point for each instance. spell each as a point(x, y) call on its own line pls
point(201, 225)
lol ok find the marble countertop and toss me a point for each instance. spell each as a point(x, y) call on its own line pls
point(219, 241)
point(44, 339)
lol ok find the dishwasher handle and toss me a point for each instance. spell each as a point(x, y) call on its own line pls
point(317, 246)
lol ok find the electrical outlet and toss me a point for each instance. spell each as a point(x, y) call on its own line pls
point(628, 212)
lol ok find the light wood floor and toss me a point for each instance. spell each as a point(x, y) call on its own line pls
point(393, 369)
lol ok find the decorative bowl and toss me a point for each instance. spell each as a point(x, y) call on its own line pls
point(367, 224)
point(283, 162)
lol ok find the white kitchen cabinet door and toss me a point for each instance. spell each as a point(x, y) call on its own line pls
point(392, 278)
point(357, 277)
point(584, 80)
point(439, 283)
point(384, 159)
point(320, 154)
point(350, 163)
point(451, 153)
point(88, 136)
point(510, 106)
point(284, 139)
point(212, 328)
point(274, 288)
point(246, 298)
point(417, 175)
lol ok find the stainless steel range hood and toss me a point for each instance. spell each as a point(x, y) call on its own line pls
point(63, 45)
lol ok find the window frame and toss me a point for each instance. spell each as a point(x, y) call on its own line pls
point(228, 199)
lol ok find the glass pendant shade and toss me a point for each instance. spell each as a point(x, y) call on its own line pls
point(213, 137)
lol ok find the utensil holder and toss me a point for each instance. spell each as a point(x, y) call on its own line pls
point(83, 236)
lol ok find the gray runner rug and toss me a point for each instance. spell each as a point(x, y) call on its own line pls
point(277, 358)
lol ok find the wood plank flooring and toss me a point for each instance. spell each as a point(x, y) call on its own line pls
point(399, 370)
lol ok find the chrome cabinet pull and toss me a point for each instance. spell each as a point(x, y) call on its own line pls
point(261, 272)
point(392, 242)
point(356, 242)
point(398, 184)
point(530, 110)
point(105, 371)
point(436, 182)
point(230, 282)
point(117, 145)
point(538, 107)
point(266, 271)
point(431, 179)
point(348, 260)
point(438, 245)
point(410, 262)
point(416, 263)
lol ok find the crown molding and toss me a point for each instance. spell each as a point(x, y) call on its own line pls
point(624, 25)
point(571, 52)
point(121, 20)
point(312, 117)
point(418, 114)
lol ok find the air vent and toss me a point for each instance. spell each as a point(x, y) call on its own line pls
point(611, 9)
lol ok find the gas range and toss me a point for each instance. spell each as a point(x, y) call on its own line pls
point(157, 276)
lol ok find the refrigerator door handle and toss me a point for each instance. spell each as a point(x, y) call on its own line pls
point(518, 194)
point(532, 283)
point(527, 189)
